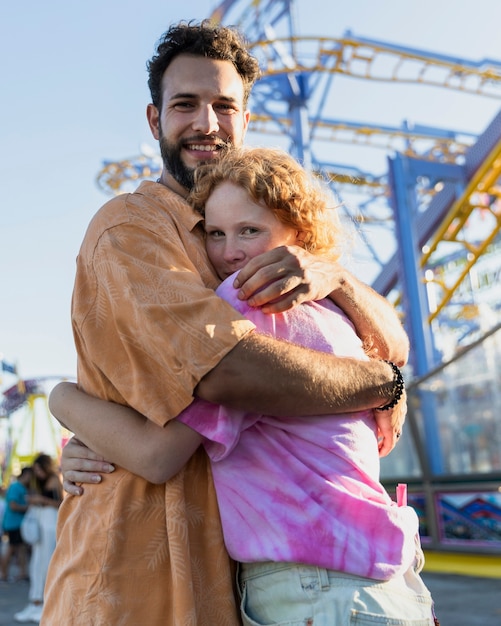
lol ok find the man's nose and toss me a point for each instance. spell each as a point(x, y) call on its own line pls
point(206, 120)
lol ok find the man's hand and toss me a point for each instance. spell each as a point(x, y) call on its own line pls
point(390, 424)
point(284, 277)
point(80, 465)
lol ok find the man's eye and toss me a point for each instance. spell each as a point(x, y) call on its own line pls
point(225, 108)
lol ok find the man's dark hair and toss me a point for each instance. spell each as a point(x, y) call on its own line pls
point(204, 39)
point(26, 471)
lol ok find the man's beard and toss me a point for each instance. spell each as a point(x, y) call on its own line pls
point(171, 158)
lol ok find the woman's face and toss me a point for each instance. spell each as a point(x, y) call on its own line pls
point(238, 229)
point(38, 471)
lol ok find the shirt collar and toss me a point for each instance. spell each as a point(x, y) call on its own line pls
point(170, 201)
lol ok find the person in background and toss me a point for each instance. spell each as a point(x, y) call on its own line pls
point(300, 499)
point(151, 333)
point(16, 506)
point(46, 498)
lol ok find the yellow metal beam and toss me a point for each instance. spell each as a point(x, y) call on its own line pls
point(377, 62)
point(485, 566)
point(483, 184)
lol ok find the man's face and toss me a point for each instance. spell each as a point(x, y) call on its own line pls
point(202, 113)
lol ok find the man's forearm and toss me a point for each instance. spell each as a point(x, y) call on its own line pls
point(374, 318)
point(272, 377)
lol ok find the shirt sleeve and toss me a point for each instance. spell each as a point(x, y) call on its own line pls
point(16, 494)
point(145, 321)
point(221, 427)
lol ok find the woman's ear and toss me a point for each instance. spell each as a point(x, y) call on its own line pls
point(300, 238)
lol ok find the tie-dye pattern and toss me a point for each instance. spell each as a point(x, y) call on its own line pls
point(306, 489)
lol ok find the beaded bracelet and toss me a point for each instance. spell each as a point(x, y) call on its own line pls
point(398, 387)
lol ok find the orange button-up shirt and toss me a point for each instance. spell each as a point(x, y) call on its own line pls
point(148, 326)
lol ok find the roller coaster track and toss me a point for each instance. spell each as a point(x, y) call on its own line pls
point(483, 195)
point(358, 57)
point(295, 68)
point(374, 60)
point(425, 142)
point(445, 221)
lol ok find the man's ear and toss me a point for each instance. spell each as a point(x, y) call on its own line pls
point(247, 116)
point(153, 117)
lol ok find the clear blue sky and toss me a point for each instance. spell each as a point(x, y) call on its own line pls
point(73, 84)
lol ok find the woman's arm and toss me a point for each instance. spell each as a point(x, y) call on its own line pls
point(52, 485)
point(122, 435)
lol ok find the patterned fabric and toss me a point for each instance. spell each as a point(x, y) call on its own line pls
point(305, 490)
point(148, 326)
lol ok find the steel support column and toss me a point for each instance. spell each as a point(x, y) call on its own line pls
point(415, 300)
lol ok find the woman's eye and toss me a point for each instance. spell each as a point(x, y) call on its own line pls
point(249, 230)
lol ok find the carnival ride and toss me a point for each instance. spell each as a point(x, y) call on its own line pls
point(428, 226)
point(28, 426)
point(432, 217)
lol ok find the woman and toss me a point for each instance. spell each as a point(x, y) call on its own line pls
point(47, 497)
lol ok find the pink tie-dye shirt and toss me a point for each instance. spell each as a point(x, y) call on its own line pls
point(306, 489)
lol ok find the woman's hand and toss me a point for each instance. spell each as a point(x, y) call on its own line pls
point(390, 424)
point(35, 499)
point(79, 464)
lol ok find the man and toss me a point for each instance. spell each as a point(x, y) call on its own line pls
point(151, 333)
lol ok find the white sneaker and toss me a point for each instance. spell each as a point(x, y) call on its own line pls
point(32, 613)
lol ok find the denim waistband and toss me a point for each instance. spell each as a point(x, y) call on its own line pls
point(248, 571)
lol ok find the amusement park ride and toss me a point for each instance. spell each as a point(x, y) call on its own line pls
point(28, 423)
point(430, 224)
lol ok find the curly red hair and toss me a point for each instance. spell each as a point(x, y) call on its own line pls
point(275, 179)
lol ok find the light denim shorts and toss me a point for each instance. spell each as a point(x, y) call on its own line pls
point(289, 594)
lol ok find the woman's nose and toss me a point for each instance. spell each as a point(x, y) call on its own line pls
point(232, 252)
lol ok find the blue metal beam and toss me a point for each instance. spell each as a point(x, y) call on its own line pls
point(402, 185)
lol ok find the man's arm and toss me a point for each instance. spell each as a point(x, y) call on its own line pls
point(375, 319)
point(272, 377)
point(287, 276)
point(125, 437)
